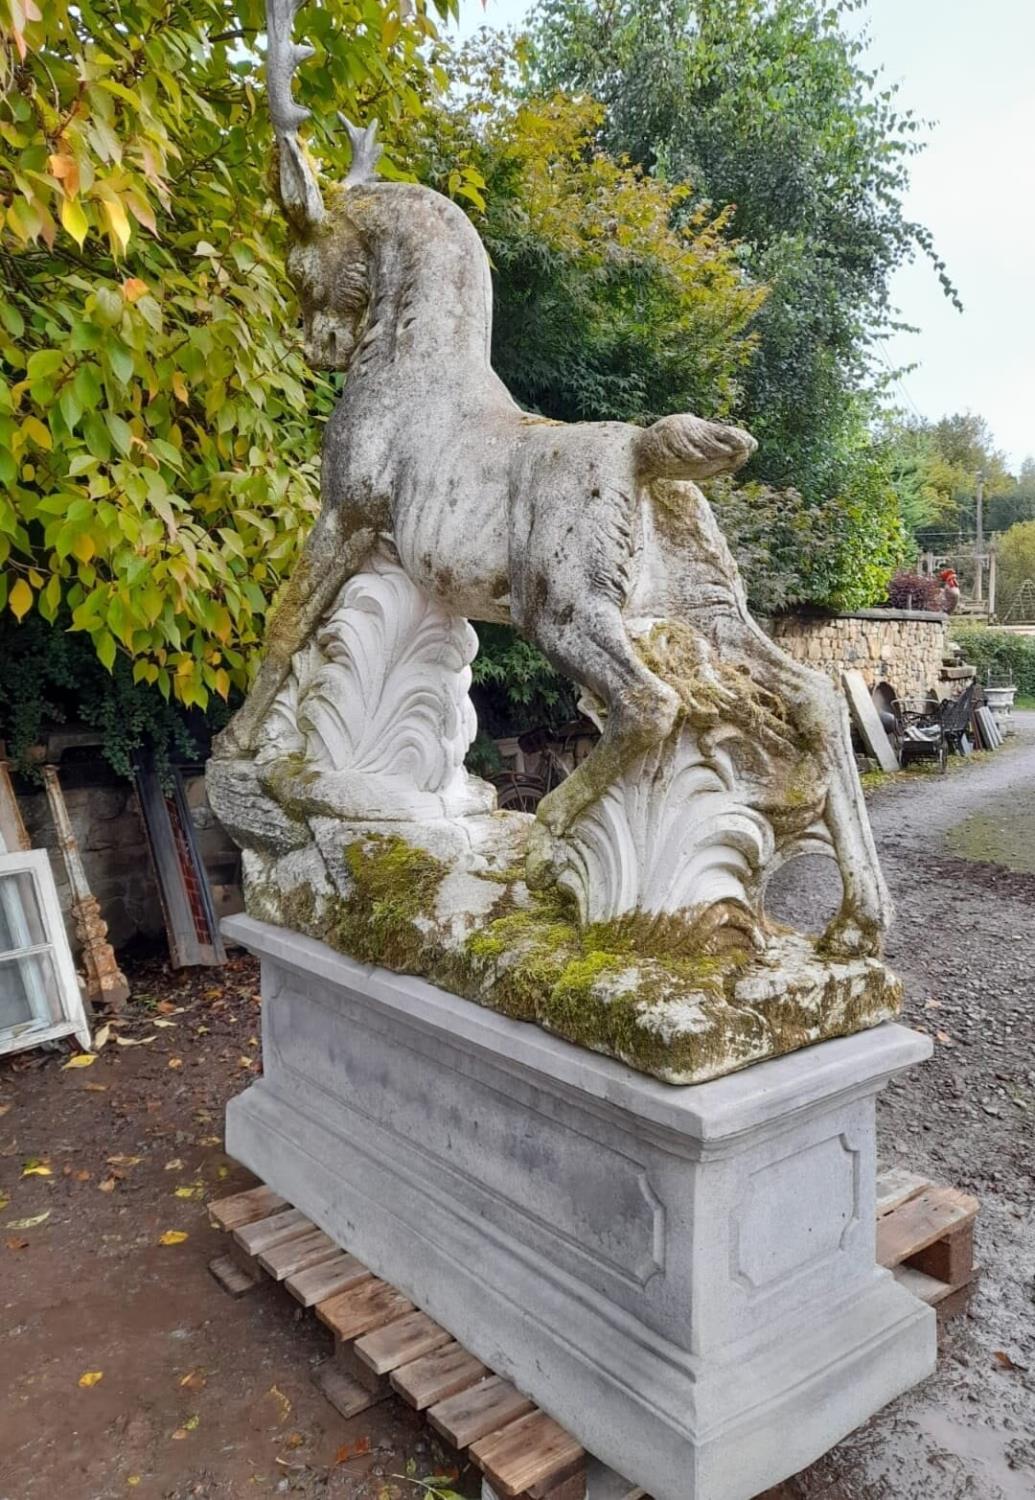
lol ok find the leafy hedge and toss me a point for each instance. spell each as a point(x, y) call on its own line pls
point(1002, 651)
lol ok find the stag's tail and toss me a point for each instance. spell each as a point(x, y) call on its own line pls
point(686, 447)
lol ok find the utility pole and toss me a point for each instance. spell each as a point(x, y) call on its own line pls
point(979, 538)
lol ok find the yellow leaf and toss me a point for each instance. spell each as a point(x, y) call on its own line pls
point(173, 1237)
point(20, 599)
point(91, 1377)
point(133, 1480)
point(28, 1223)
point(118, 224)
point(81, 1060)
point(197, 1191)
point(74, 220)
point(34, 1168)
point(175, 1062)
point(179, 386)
point(34, 428)
point(83, 547)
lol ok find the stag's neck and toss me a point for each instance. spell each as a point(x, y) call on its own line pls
point(430, 316)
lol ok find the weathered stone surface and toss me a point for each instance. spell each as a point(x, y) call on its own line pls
point(627, 912)
point(684, 1278)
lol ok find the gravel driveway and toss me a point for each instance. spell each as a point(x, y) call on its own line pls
point(959, 854)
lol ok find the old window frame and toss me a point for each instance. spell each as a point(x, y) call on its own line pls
point(69, 1000)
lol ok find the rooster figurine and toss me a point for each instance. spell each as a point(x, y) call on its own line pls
point(950, 590)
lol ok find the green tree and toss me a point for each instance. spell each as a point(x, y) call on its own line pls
point(1016, 563)
point(766, 106)
point(158, 424)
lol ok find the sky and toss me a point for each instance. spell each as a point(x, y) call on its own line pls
point(967, 67)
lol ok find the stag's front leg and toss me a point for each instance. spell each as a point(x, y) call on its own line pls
point(820, 715)
point(329, 558)
point(592, 645)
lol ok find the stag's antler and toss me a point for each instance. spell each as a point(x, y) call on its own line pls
point(299, 192)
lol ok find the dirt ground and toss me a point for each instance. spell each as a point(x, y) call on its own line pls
point(125, 1370)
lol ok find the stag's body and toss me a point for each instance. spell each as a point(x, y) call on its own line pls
point(575, 533)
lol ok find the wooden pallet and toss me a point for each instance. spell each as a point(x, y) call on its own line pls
point(925, 1234)
point(385, 1345)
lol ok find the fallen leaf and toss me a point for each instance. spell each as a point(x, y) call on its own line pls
point(36, 1167)
point(210, 1140)
point(945, 1038)
point(253, 1041)
point(167, 1008)
point(352, 1450)
point(82, 1176)
point(283, 1402)
point(5, 1107)
point(164, 1025)
point(101, 1038)
point(294, 1440)
point(176, 1165)
point(222, 1172)
point(13, 1244)
point(133, 1480)
point(4, 1200)
point(175, 1062)
point(28, 1223)
point(107, 1186)
point(123, 1161)
point(245, 1062)
point(96, 1088)
point(1002, 1358)
point(81, 1060)
point(134, 1041)
point(173, 1237)
point(197, 1191)
point(90, 1377)
point(194, 1381)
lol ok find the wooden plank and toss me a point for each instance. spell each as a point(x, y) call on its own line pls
point(245, 1208)
point(950, 1259)
point(895, 1185)
point(320, 1282)
point(918, 1223)
point(400, 1342)
point(344, 1394)
point(867, 720)
point(289, 1256)
point(232, 1277)
point(928, 1288)
point(256, 1238)
point(435, 1376)
point(351, 1314)
point(528, 1452)
point(481, 1409)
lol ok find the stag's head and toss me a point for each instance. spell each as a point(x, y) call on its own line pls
point(327, 262)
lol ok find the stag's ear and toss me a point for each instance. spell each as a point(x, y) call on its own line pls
point(297, 186)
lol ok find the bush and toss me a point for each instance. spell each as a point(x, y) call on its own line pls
point(1001, 651)
point(914, 591)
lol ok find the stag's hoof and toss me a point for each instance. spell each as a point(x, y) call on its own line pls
point(848, 937)
point(231, 744)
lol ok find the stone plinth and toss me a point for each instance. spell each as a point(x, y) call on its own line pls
point(683, 1277)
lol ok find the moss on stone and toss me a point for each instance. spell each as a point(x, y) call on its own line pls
point(389, 915)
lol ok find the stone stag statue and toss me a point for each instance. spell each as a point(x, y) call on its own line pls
point(591, 538)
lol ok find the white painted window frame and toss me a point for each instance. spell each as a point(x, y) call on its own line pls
point(73, 1022)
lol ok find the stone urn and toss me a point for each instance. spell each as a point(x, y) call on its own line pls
point(1000, 701)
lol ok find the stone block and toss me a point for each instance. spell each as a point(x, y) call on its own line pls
point(683, 1277)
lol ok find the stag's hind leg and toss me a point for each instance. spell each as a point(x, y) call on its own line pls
point(328, 560)
point(820, 715)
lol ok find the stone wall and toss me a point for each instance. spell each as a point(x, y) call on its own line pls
point(899, 648)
